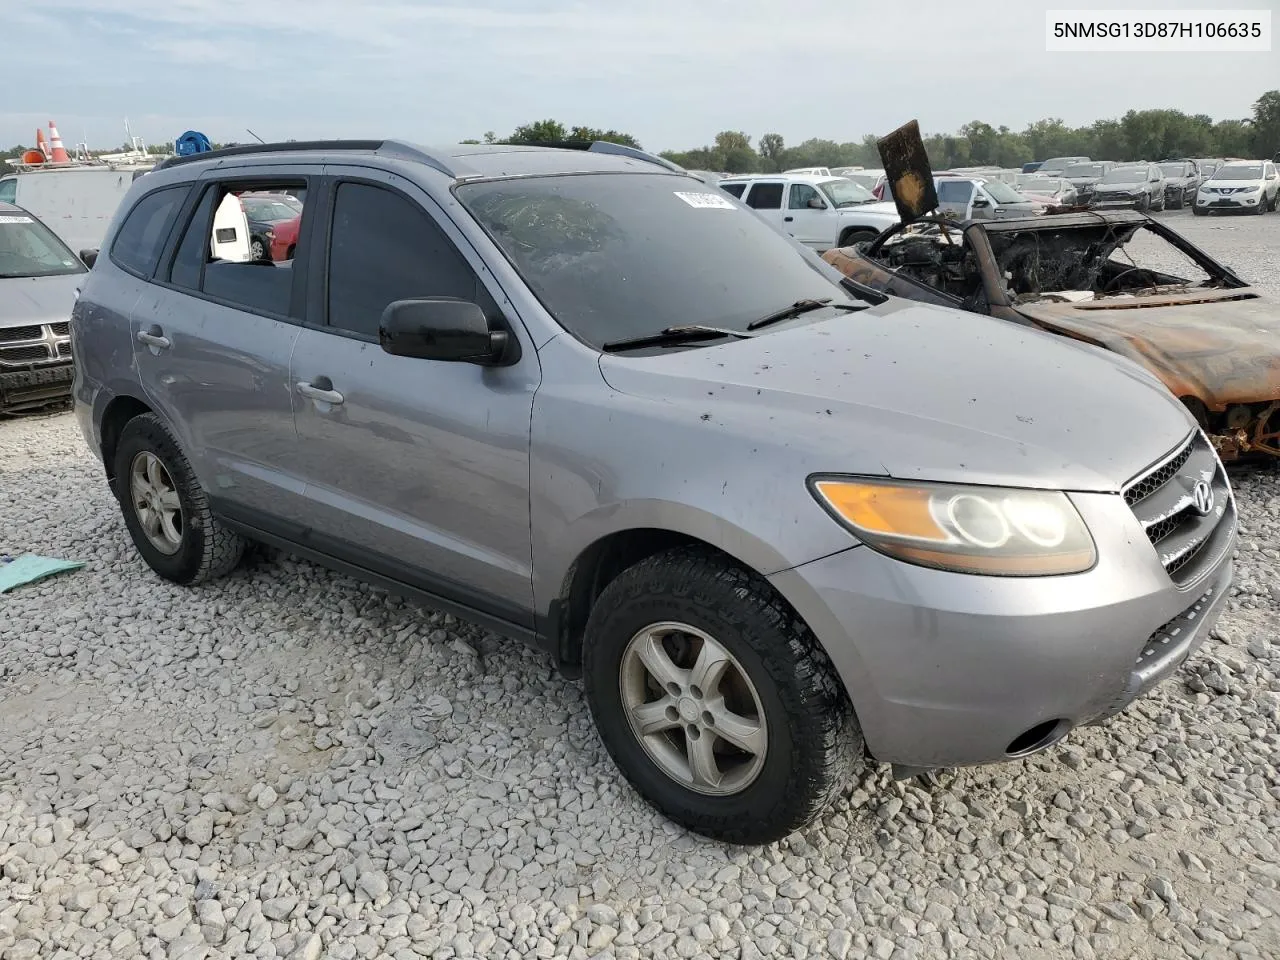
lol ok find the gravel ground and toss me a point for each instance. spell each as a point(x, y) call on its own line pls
point(290, 764)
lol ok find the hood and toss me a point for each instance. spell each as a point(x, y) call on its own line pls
point(1236, 184)
point(1101, 187)
point(881, 208)
point(1220, 346)
point(916, 391)
point(31, 300)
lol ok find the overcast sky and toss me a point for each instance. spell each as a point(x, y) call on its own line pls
point(671, 72)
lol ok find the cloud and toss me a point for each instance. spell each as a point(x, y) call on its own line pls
point(673, 72)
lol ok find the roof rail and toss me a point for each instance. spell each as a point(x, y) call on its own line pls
point(444, 164)
point(603, 146)
point(248, 149)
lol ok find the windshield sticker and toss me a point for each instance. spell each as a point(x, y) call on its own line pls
point(705, 201)
point(13, 219)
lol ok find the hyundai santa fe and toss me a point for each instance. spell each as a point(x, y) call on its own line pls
point(778, 523)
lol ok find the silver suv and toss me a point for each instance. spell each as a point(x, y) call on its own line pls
point(777, 522)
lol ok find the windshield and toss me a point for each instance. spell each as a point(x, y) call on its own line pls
point(1055, 166)
point(1242, 172)
point(30, 249)
point(616, 256)
point(846, 193)
point(1173, 169)
point(868, 180)
point(1126, 175)
point(1001, 192)
point(271, 211)
point(1042, 185)
point(1084, 170)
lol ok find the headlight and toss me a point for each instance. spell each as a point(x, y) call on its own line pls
point(996, 531)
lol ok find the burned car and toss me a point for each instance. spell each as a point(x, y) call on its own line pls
point(1105, 279)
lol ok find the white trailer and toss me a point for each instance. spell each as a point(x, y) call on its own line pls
point(76, 201)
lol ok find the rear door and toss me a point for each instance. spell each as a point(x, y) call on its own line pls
point(212, 339)
point(417, 470)
point(812, 226)
point(765, 198)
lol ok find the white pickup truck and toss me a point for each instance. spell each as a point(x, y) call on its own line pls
point(821, 212)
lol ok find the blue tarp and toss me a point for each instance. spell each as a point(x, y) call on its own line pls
point(191, 142)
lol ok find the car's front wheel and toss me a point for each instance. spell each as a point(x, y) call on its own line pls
point(715, 700)
point(165, 508)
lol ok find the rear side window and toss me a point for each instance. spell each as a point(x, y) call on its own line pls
point(240, 244)
point(954, 191)
point(734, 188)
point(385, 248)
point(138, 244)
point(765, 196)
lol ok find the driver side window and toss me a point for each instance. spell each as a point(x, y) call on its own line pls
point(955, 191)
point(801, 194)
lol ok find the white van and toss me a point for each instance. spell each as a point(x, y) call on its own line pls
point(75, 202)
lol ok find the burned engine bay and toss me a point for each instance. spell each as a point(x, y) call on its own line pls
point(1073, 262)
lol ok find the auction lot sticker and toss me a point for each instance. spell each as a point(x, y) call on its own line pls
point(705, 201)
point(1157, 31)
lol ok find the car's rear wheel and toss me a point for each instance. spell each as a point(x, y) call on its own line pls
point(715, 700)
point(257, 250)
point(165, 509)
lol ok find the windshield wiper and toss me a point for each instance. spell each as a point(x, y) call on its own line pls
point(671, 336)
point(799, 307)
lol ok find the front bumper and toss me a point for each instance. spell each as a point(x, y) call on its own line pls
point(32, 387)
point(1115, 203)
point(949, 670)
point(1230, 202)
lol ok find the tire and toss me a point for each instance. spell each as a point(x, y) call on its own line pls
point(203, 549)
point(1182, 202)
point(258, 250)
point(1261, 208)
point(1144, 205)
point(1199, 211)
point(289, 254)
point(806, 725)
point(850, 237)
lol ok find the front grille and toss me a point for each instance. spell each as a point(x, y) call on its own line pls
point(64, 349)
point(61, 329)
point(14, 334)
point(1163, 498)
point(16, 355)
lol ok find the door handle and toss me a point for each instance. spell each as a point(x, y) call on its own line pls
point(153, 339)
point(788, 219)
point(321, 394)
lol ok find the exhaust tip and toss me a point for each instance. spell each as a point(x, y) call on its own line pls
point(1039, 737)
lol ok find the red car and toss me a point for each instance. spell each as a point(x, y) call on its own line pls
point(286, 237)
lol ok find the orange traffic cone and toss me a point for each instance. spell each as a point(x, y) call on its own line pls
point(41, 145)
point(57, 150)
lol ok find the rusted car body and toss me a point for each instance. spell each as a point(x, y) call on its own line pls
point(1212, 339)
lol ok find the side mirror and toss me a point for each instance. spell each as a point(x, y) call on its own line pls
point(445, 329)
point(980, 202)
point(89, 257)
point(816, 203)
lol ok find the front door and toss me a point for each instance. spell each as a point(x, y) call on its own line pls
point(416, 469)
point(212, 340)
point(813, 226)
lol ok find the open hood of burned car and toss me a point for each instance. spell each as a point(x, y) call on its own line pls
point(1222, 346)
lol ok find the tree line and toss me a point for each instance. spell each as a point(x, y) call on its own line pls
point(1139, 134)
